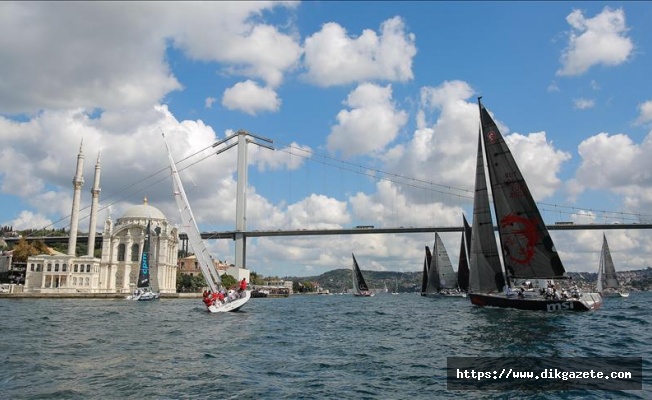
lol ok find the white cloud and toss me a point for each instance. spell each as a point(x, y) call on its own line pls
point(583, 104)
point(290, 157)
point(334, 58)
point(594, 41)
point(28, 220)
point(371, 124)
point(645, 112)
point(88, 55)
point(208, 102)
point(250, 98)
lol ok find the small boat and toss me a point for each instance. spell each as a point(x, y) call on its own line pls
point(396, 285)
point(144, 291)
point(607, 283)
point(529, 253)
point(234, 300)
point(442, 279)
point(360, 288)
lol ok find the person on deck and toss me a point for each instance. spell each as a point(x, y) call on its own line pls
point(243, 285)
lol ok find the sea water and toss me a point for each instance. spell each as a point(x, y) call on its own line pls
point(301, 347)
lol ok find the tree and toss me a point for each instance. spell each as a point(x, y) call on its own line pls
point(228, 281)
point(24, 249)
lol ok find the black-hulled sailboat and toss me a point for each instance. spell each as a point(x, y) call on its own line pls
point(528, 251)
point(144, 289)
point(607, 283)
point(360, 288)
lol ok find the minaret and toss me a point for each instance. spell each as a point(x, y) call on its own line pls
point(77, 183)
point(95, 193)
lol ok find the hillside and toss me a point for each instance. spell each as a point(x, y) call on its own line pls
point(340, 279)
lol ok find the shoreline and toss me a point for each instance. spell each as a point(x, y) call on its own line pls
point(92, 296)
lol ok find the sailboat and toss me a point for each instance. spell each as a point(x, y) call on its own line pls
point(234, 300)
point(144, 290)
point(607, 284)
point(386, 290)
point(528, 250)
point(442, 279)
point(463, 263)
point(396, 285)
point(424, 276)
point(360, 287)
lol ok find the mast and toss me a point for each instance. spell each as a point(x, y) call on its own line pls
point(188, 219)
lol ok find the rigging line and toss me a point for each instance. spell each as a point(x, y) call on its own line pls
point(402, 183)
point(123, 190)
point(374, 169)
point(446, 186)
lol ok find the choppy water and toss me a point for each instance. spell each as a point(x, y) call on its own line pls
point(312, 347)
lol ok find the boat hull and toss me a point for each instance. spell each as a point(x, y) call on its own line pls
point(229, 306)
point(587, 302)
point(363, 294)
point(444, 295)
point(615, 294)
point(146, 296)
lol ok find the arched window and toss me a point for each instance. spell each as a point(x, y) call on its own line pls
point(76, 268)
point(56, 267)
point(31, 267)
point(134, 252)
point(87, 282)
point(38, 267)
point(88, 268)
point(64, 267)
point(121, 252)
point(74, 281)
point(49, 267)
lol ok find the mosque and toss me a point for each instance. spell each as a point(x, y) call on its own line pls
point(116, 271)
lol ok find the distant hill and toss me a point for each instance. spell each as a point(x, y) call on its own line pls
point(340, 279)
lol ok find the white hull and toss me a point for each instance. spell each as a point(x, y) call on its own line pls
point(232, 305)
point(143, 296)
point(615, 294)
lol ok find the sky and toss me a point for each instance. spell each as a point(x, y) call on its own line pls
point(371, 107)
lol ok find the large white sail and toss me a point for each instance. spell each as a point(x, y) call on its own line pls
point(190, 227)
point(447, 275)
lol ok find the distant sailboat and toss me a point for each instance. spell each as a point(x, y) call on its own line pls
point(442, 279)
point(231, 302)
point(607, 283)
point(144, 290)
point(528, 249)
point(463, 264)
point(396, 285)
point(360, 287)
point(424, 276)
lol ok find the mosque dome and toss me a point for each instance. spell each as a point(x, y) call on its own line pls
point(143, 211)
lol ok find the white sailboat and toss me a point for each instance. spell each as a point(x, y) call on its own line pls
point(230, 303)
point(607, 283)
point(442, 279)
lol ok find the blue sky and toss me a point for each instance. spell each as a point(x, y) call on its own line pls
point(345, 90)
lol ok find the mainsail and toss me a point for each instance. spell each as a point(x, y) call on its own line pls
point(143, 274)
point(358, 281)
point(189, 223)
point(424, 276)
point(433, 285)
point(486, 274)
point(447, 276)
point(463, 264)
point(528, 250)
point(609, 278)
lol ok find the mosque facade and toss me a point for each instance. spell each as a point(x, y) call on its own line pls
point(116, 271)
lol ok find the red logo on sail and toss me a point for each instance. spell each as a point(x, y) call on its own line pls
point(520, 236)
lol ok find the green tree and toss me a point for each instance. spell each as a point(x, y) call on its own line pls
point(228, 281)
